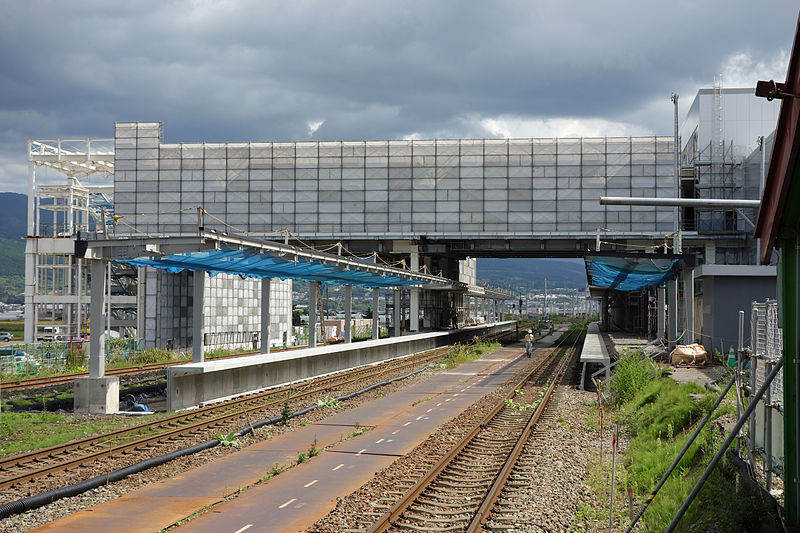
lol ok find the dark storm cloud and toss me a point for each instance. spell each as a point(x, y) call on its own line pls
point(227, 71)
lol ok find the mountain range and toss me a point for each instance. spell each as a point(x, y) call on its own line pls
point(528, 274)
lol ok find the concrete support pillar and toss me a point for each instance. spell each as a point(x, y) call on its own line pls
point(348, 313)
point(266, 288)
point(141, 301)
point(198, 316)
point(672, 312)
point(376, 325)
point(97, 356)
point(29, 334)
point(396, 312)
point(660, 314)
point(413, 299)
point(96, 393)
point(688, 304)
point(313, 291)
point(711, 252)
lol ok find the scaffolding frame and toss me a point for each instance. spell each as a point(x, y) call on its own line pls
point(56, 280)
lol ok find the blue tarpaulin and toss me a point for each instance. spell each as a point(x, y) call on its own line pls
point(250, 264)
point(629, 274)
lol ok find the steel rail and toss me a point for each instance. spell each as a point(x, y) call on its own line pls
point(138, 369)
point(394, 513)
point(483, 512)
point(229, 409)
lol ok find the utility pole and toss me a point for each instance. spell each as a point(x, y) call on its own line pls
point(677, 184)
point(545, 298)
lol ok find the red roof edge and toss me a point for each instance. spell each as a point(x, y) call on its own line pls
point(784, 151)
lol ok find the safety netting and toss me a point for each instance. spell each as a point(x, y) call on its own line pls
point(629, 274)
point(251, 264)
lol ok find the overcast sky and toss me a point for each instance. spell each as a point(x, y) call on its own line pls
point(295, 70)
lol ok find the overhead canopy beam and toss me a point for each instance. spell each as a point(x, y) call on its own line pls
point(324, 267)
point(680, 202)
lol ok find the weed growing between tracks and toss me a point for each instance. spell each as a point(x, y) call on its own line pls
point(657, 417)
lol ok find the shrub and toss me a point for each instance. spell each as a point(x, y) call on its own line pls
point(152, 355)
point(631, 374)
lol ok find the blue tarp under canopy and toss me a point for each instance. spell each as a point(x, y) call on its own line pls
point(250, 264)
point(629, 274)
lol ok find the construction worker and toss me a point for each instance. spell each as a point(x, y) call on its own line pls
point(529, 343)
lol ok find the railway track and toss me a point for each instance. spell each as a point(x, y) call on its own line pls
point(460, 492)
point(190, 425)
point(62, 379)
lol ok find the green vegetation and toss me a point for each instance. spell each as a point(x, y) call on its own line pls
point(229, 439)
point(464, 353)
point(313, 451)
point(359, 430)
point(15, 327)
point(21, 432)
point(12, 267)
point(286, 412)
point(417, 402)
point(660, 415)
point(633, 371)
point(328, 402)
point(276, 469)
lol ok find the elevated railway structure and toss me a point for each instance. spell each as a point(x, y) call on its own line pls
point(426, 207)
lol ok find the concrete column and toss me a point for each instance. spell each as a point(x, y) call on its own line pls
point(688, 303)
point(413, 299)
point(29, 334)
point(711, 252)
point(376, 325)
point(108, 299)
point(141, 301)
point(672, 312)
point(660, 315)
point(97, 355)
point(198, 316)
point(396, 312)
point(348, 313)
point(313, 290)
point(96, 393)
point(79, 295)
point(266, 288)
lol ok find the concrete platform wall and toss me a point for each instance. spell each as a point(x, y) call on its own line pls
point(196, 383)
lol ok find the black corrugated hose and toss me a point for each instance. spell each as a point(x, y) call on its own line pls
point(45, 498)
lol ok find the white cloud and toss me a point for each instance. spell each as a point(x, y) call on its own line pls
point(313, 126)
point(742, 70)
point(516, 126)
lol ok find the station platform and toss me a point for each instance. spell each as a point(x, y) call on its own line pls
point(594, 354)
point(193, 384)
point(299, 496)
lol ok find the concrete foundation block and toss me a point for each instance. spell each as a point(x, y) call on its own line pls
point(96, 395)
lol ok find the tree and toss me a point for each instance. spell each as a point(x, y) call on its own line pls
point(368, 312)
point(296, 317)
